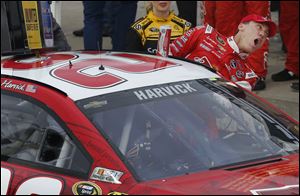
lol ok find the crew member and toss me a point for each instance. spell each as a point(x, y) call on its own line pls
point(144, 33)
point(227, 55)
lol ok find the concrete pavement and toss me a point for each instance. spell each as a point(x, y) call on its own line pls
point(278, 93)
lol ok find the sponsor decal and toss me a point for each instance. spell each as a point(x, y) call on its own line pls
point(188, 24)
point(243, 55)
point(176, 27)
point(138, 27)
point(154, 29)
point(221, 48)
point(239, 74)
point(233, 64)
point(158, 92)
point(250, 75)
point(244, 84)
point(152, 50)
point(228, 67)
point(206, 42)
point(106, 175)
point(174, 47)
point(213, 79)
point(31, 88)
point(189, 32)
point(184, 39)
point(86, 188)
point(20, 87)
point(204, 60)
point(211, 40)
point(116, 193)
point(216, 54)
point(179, 43)
point(233, 79)
point(95, 104)
point(220, 40)
point(205, 47)
point(208, 29)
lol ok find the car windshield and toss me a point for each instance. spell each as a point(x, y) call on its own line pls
point(173, 129)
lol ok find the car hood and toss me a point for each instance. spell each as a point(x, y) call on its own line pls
point(279, 177)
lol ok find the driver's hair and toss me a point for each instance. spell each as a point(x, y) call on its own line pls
point(149, 6)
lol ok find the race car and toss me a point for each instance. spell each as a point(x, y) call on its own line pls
point(122, 123)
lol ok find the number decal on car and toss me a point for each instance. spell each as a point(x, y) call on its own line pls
point(5, 180)
point(38, 185)
point(97, 72)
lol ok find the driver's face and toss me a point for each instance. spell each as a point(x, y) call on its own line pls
point(254, 35)
point(161, 6)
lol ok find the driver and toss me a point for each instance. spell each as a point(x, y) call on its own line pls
point(227, 55)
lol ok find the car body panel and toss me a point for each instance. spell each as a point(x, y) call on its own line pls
point(122, 71)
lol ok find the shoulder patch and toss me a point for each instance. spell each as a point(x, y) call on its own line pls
point(208, 29)
point(141, 23)
point(181, 22)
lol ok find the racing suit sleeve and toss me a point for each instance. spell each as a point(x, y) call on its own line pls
point(184, 45)
point(133, 41)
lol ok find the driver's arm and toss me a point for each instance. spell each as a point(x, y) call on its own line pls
point(186, 43)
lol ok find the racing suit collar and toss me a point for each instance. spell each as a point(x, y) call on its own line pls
point(235, 47)
point(158, 19)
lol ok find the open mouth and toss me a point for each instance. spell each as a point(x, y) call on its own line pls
point(256, 42)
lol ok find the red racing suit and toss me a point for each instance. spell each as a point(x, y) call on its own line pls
point(225, 16)
point(289, 29)
point(205, 45)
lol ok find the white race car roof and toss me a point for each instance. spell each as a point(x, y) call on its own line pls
point(80, 74)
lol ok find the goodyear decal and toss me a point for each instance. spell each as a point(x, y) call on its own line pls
point(220, 40)
point(86, 188)
point(158, 92)
point(30, 12)
point(116, 193)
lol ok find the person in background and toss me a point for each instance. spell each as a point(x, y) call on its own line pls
point(12, 39)
point(60, 40)
point(225, 17)
point(107, 21)
point(144, 33)
point(289, 29)
point(226, 55)
point(188, 11)
point(124, 14)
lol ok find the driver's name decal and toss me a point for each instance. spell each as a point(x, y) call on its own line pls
point(158, 92)
point(9, 84)
point(20, 87)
